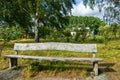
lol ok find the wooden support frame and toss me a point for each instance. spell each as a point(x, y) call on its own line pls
point(95, 68)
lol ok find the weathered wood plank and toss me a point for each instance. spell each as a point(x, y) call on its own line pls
point(56, 46)
point(55, 58)
point(95, 67)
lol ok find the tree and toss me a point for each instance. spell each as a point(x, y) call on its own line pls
point(93, 23)
point(12, 15)
point(112, 14)
point(111, 9)
point(38, 12)
point(105, 32)
point(67, 33)
point(119, 30)
point(46, 12)
point(114, 29)
point(81, 32)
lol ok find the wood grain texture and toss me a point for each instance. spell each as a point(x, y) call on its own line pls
point(56, 46)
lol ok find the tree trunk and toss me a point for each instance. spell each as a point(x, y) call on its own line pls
point(36, 26)
point(36, 31)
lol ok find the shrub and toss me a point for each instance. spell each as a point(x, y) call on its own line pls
point(100, 39)
point(9, 33)
point(34, 66)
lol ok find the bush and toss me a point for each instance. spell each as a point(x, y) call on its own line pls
point(9, 33)
point(100, 39)
point(34, 66)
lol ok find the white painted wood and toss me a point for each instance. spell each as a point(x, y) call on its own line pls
point(56, 46)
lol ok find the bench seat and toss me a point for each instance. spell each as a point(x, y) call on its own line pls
point(55, 58)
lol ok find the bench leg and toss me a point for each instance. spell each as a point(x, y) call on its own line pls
point(95, 68)
point(12, 62)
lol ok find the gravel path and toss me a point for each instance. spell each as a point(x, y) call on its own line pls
point(8, 74)
point(100, 77)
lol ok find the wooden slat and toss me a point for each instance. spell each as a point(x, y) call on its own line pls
point(56, 46)
point(55, 58)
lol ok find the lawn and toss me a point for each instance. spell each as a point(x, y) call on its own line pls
point(110, 65)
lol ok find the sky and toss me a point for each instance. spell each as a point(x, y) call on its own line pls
point(80, 10)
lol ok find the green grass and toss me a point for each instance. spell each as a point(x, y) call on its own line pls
point(110, 54)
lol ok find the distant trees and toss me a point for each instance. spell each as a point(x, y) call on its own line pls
point(67, 33)
point(114, 29)
point(109, 32)
point(81, 32)
point(93, 23)
point(105, 32)
point(87, 24)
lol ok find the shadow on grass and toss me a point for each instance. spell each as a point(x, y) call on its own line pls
point(64, 66)
point(106, 67)
point(60, 66)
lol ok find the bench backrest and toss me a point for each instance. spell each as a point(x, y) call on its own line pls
point(57, 46)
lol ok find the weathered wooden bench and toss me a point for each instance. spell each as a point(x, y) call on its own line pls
point(91, 48)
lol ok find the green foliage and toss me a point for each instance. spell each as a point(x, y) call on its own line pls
point(81, 32)
point(55, 35)
point(114, 29)
point(118, 30)
point(92, 22)
point(44, 31)
point(34, 66)
point(90, 27)
point(100, 39)
point(105, 32)
point(67, 33)
point(10, 33)
point(36, 13)
point(109, 32)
